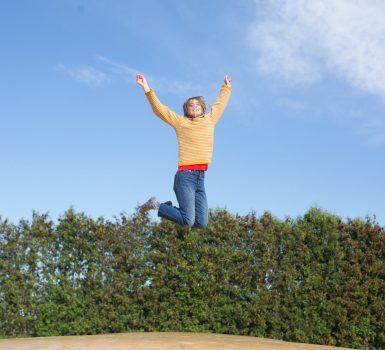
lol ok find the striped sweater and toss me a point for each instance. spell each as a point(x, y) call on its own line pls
point(195, 135)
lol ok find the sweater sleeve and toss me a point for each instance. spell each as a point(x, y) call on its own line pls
point(220, 103)
point(162, 111)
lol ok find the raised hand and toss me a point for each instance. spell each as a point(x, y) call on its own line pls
point(141, 80)
point(227, 80)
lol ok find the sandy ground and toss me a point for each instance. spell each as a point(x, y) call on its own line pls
point(154, 341)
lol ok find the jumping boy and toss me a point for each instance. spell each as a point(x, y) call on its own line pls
point(195, 133)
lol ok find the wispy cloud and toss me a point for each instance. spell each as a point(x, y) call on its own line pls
point(300, 40)
point(165, 84)
point(86, 75)
point(119, 68)
point(182, 88)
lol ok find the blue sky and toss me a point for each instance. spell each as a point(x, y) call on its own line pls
point(305, 125)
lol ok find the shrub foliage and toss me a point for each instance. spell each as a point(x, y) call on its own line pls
point(315, 279)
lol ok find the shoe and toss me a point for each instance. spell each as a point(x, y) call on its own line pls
point(151, 204)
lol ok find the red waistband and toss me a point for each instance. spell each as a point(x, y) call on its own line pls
point(193, 167)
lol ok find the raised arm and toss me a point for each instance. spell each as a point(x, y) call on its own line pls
point(162, 111)
point(222, 99)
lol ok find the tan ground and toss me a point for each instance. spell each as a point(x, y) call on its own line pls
point(154, 341)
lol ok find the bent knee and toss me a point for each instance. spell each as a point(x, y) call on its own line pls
point(188, 223)
point(201, 225)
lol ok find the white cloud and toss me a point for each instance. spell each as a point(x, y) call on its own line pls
point(300, 40)
point(86, 75)
point(182, 88)
point(119, 68)
point(166, 85)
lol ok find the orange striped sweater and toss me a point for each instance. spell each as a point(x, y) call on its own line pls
point(195, 135)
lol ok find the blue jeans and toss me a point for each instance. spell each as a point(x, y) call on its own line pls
point(189, 188)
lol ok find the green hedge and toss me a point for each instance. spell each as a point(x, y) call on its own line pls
point(316, 279)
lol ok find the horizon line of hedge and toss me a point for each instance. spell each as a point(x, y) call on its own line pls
point(315, 279)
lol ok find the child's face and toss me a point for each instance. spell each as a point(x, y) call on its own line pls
point(194, 108)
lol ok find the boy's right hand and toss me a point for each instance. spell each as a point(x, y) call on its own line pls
point(141, 80)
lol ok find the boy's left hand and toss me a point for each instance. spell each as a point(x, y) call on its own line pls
point(227, 80)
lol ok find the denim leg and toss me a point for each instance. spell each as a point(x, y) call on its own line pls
point(201, 207)
point(170, 213)
point(184, 187)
